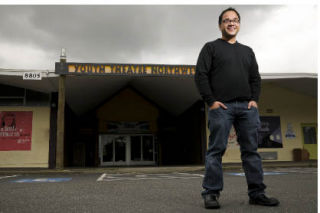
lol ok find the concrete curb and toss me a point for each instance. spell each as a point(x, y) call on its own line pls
point(150, 170)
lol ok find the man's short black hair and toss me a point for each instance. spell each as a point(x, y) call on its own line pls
point(226, 10)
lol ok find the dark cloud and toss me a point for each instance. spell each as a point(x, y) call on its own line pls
point(120, 34)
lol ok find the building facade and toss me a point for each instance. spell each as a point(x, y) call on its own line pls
point(140, 114)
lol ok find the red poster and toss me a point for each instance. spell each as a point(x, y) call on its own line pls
point(15, 130)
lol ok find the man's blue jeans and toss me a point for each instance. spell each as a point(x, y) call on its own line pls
point(246, 122)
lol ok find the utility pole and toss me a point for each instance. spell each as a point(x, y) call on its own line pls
point(61, 115)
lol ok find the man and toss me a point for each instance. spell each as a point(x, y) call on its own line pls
point(228, 80)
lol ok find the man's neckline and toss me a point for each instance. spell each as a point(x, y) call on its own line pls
point(229, 42)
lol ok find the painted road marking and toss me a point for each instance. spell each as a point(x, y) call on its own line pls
point(101, 177)
point(133, 177)
point(265, 173)
point(141, 176)
point(8, 176)
point(42, 180)
point(298, 170)
point(198, 175)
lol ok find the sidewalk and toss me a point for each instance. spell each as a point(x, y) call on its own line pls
point(153, 169)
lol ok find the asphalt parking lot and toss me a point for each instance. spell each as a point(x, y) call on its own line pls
point(296, 188)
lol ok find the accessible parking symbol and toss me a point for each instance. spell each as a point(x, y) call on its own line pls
point(42, 180)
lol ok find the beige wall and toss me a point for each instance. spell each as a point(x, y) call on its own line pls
point(39, 154)
point(292, 107)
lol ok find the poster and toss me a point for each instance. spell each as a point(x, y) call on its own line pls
point(15, 130)
point(270, 132)
point(290, 134)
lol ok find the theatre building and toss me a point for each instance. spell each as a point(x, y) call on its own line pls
point(95, 115)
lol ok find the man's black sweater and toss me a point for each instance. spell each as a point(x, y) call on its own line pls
point(226, 72)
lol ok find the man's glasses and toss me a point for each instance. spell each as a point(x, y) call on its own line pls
point(228, 21)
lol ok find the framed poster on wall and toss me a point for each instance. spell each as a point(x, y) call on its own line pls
point(270, 132)
point(15, 130)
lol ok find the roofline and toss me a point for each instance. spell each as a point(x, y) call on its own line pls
point(51, 73)
point(20, 72)
point(288, 75)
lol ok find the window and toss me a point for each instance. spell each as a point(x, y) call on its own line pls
point(309, 134)
point(11, 101)
point(147, 144)
point(142, 148)
point(10, 91)
point(136, 148)
point(15, 96)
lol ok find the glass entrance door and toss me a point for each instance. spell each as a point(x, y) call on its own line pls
point(142, 150)
point(113, 149)
point(127, 150)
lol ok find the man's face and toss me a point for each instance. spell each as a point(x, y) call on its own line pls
point(230, 24)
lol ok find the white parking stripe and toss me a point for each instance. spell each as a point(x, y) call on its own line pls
point(128, 176)
point(101, 177)
point(198, 175)
point(155, 178)
point(8, 176)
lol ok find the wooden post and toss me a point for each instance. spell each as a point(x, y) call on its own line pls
point(60, 124)
point(53, 130)
point(61, 116)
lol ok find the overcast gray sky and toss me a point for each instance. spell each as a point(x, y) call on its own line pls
point(284, 38)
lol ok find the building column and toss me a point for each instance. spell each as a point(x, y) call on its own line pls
point(60, 123)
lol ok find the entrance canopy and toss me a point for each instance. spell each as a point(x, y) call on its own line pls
point(172, 94)
point(171, 87)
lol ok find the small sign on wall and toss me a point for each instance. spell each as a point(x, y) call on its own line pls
point(15, 130)
point(32, 76)
point(290, 134)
